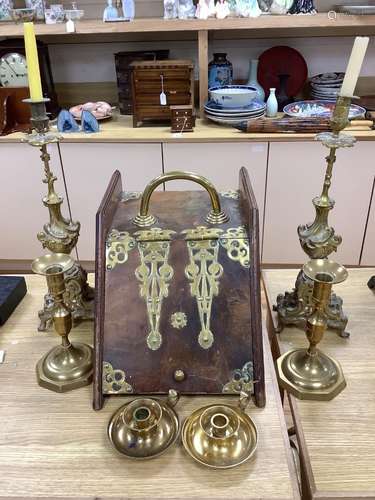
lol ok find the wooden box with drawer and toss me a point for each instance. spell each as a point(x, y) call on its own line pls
point(150, 78)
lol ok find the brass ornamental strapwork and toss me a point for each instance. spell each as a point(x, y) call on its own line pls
point(59, 235)
point(204, 272)
point(309, 373)
point(318, 239)
point(114, 380)
point(154, 273)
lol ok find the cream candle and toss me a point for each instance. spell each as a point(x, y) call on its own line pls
point(354, 66)
point(33, 73)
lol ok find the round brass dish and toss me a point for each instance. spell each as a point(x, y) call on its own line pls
point(144, 428)
point(220, 436)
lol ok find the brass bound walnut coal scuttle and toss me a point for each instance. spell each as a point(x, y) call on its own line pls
point(178, 291)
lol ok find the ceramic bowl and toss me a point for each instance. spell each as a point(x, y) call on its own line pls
point(23, 15)
point(233, 96)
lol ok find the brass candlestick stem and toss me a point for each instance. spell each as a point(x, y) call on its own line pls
point(318, 239)
point(59, 234)
point(67, 366)
point(311, 374)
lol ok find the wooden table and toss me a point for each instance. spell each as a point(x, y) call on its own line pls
point(56, 445)
point(336, 438)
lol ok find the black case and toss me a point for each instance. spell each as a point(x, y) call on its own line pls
point(12, 291)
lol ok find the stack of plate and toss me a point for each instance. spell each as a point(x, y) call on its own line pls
point(231, 116)
point(326, 86)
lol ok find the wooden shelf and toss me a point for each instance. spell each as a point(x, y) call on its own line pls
point(120, 130)
point(264, 26)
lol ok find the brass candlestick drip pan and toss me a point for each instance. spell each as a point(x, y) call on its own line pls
point(67, 366)
point(220, 436)
point(309, 373)
point(145, 427)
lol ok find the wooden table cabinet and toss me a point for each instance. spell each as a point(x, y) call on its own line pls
point(54, 445)
point(336, 438)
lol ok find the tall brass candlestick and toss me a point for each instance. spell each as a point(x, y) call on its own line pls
point(67, 366)
point(59, 235)
point(311, 374)
point(318, 239)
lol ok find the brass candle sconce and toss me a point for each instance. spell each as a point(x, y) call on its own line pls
point(59, 234)
point(318, 239)
point(67, 366)
point(309, 373)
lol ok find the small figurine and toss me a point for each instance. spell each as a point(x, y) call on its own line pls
point(186, 9)
point(265, 5)
point(170, 9)
point(110, 12)
point(203, 11)
point(89, 123)
point(232, 8)
point(222, 9)
point(248, 8)
point(211, 8)
point(66, 122)
point(302, 7)
point(280, 6)
point(128, 9)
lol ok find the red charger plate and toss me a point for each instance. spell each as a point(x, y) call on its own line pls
point(282, 60)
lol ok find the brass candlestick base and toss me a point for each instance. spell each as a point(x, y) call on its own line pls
point(67, 366)
point(59, 235)
point(311, 374)
point(295, 307)
point(318, 239)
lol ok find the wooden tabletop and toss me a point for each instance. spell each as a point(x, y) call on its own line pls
point(55, 445)
point(337, 438)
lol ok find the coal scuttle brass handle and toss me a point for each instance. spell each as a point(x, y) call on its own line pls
point(215, 216)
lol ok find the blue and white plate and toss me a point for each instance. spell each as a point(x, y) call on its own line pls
point(242, 116)
point(319, 109)
point(232, 121)
point(234, 115)
point(255, 106)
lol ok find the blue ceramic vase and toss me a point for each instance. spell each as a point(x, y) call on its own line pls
point(220, 71)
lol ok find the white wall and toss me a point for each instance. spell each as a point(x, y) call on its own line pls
point(95, 62)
